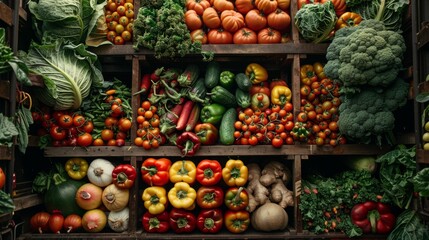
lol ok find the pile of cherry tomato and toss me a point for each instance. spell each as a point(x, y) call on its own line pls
point(119, 16)
point(271, 126)
point(320, 99)
point(63, 128)
point(148, 133)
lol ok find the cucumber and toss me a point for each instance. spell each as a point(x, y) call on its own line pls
point(226, 128)
point(212, 75)
point(243, 82)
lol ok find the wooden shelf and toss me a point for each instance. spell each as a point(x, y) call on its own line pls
point(27, 201)
point(216, 150)
point(225, 49)
point(250, 234)
point(422, 156)
point(6, 14)
point(423, 35)
point(5, 153)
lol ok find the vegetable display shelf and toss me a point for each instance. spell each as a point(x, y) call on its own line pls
point(235, 150)
point(6, 14)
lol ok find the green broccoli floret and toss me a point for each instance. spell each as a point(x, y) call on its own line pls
point(368, 115)
point(367, 54)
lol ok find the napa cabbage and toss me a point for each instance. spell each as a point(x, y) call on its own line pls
point(68, 72)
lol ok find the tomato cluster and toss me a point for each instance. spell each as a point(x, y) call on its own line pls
point(148, 132)
point(320, 99)
point(271, 126)
point(116, 124)
point(64, 128)
point(119, 16)
point(239, 22)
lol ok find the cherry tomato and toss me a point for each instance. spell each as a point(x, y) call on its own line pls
point(78, 120)
point(84, 140)
point(98, 142)
point(57, 133)
point(277, 141)
point(88, 126)
point(107, 134)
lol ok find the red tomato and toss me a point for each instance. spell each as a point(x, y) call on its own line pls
point(57, 133)
point(2, 178)
point(245, 36)
point(107, 134)
point(277, 141)
point(78, 120)
point(84, 140)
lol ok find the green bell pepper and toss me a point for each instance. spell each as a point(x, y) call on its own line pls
point(227, 79)
point(212, 113)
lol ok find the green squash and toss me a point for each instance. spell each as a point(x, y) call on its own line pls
point(61, 196)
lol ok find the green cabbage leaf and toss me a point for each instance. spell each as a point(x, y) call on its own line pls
point(68, 72)
point(72, 20)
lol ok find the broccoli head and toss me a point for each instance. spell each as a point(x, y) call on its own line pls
point(368, 115)
point(367, 54)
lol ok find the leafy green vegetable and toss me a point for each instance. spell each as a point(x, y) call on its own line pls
point(43, 180)
point(72, 20)
point(409, 226)
point(421, 182)
point(7, 130)
point(6, 203)
point(10, 62)
point(68, 72)
point(330, 199)
point(23, 121)
point(397, 170)
point(315, 22)
point(162, 28)
point(388, 11)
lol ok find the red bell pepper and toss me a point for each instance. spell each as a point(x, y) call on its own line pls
point(124, 175)
point(156, 222)
point(236, 198)
point(155, 171)
point(237, 221)
point(210, 197)
point(182, 221)
point(210, 220)
point(375, 217)
point(188, 143)
point(209, 172)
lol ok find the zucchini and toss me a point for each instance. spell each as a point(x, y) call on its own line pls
point(243, 82)
point(222, 96)
point(212, 75)
point(226, 128)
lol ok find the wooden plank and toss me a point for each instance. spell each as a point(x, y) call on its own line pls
point(5, 153)
point(5, 89)
point(27, 201)
point(422, 156)
point(229, 50)
point(6, 14)
point(216, 150)
point(297, 178)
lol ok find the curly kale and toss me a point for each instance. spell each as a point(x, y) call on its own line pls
point(368, 116)
point(365, 55)
point(163, 30)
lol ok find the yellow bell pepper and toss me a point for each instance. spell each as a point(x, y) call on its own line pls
point(256, 73)
point(307, 74)
point(280, 95)
point(183, 171)
point(235, 173)
point(182, 195)
point(76, 168)
point(155, 199)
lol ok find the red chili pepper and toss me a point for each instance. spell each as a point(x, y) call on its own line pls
point(156, 75)
point(155, 171)
point(210, 220)
point(182, 221)
point(375, 217)
point(188, 143)
point(124, 175)
point(210, 197)
point(145, 84)
point(209, 172)
point(156, 222)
